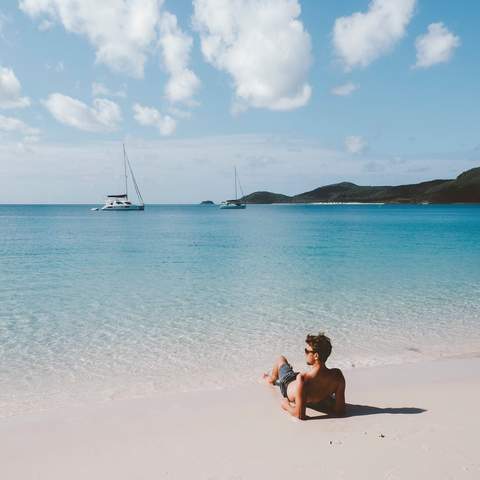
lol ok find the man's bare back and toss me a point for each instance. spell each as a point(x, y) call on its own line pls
point(319, 384)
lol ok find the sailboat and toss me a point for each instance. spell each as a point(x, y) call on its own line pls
point(234, 204)
point(121, 202)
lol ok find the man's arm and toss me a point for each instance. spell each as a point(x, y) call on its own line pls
point(339, 408)
point(298, 407)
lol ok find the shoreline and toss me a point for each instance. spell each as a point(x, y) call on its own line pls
point(91, 398)
point(402, 420)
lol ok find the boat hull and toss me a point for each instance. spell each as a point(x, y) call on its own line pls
point(233, 206)
point(128, 208)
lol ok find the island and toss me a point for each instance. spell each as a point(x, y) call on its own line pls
point(464, 189)
point(207, 202)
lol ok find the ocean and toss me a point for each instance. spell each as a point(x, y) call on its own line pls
point(96, 306)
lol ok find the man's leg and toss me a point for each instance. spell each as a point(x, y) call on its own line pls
point(273, 377)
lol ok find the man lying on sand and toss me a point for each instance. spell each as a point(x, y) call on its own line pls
point(320, 384)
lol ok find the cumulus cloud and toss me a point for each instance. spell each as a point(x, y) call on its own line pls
point(262, 45)
point(355, 144)
point(121, 31)
point(10, 90)
point(103, 116)
point(435, 46)
point(344, 90)
point(361, 38)
point(175, 51)
point(151, 117)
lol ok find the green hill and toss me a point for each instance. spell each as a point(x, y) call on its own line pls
point(464, 189)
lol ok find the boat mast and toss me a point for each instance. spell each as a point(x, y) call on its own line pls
point(236, 196)
point(137, 190)
point(125, 170)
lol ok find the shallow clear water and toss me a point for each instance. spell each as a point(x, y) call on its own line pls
point(102, 305)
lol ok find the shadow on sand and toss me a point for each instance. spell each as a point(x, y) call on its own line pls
point(353, 410)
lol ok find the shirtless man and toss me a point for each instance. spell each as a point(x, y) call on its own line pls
point(317, 385)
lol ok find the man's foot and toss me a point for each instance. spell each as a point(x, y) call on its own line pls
point(268, 379)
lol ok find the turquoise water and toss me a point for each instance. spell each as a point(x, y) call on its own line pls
point(104, 305)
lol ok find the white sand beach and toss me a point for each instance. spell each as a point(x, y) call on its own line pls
point(406, 421)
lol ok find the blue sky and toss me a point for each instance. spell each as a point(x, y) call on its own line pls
point(296, 93)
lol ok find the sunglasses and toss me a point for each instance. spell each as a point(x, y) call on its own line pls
point(307, 351)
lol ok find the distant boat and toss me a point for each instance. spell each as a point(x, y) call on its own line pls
point(234, 204)
point(121, 202)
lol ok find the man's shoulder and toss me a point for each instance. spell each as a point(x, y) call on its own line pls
point(337, 374)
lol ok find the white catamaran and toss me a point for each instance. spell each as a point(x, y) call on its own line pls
point(234, 204)
point(121, 201)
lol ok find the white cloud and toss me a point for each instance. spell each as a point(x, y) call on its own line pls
point(104, 115)
point(262, 45)
point(435, 46)
point(175, 49)
point(100, 90)
point(361, 38)
point(355, 144)
point(10, 90)
point(344, 90)
point(151, 117)
point(14, 125)
point(121, 31)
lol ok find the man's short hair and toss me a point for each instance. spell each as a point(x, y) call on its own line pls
point(320, 344)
